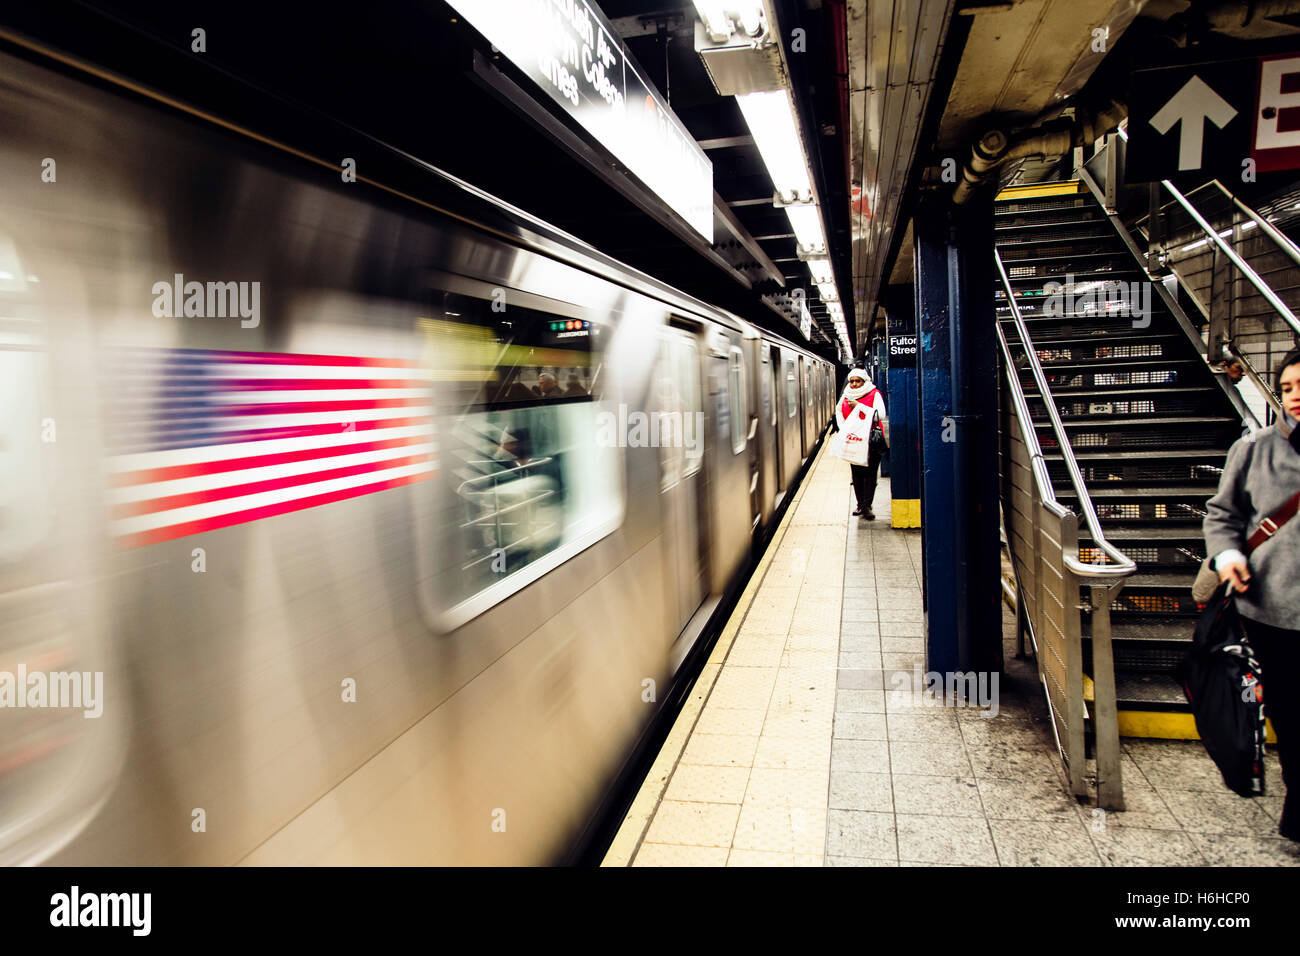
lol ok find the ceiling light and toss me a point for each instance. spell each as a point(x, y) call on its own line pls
point(770, 118)
point(752, 19)
point(807, 226)
point(827, 292)
point(820, 269)
point(715, 20)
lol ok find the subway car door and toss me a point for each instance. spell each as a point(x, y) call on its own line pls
point(681, 455)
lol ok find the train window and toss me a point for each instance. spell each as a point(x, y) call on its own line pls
point(688, 381)
point(739, 409)
point(525, 476)
point(791, 389)
point(765, 379)
point(680, 428)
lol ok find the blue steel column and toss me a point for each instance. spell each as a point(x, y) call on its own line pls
point(958, 399)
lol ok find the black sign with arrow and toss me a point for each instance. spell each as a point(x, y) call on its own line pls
point(1191, 123)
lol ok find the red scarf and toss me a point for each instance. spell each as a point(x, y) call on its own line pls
point(867, 400)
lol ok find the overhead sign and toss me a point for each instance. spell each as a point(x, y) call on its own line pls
point(570, 50)
point(1190, 108)
point(1193, 119)
point(1215, 119)
point(1277, 115)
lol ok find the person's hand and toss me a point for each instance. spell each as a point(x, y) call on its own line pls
point(1238, 573)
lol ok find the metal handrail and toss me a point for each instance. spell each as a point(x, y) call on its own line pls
point(1260, 285)
point(1281, 239)
point(1263, 287)
point(498, 475)
point(1122, 565)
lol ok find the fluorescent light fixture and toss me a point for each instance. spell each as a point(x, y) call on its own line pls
point(1194, 246)
point(827, 292)
point(821, 270)
point(807, 225)
point(715, 20)
point(751, 16)
point(770, 118)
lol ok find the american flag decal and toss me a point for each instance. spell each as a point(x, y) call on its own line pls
point(210, 439)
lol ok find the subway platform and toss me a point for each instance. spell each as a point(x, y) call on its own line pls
point(803, 742)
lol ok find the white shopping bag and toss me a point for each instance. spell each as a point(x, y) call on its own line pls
point(852, 442)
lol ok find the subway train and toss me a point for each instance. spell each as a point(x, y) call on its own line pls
point(338, 528)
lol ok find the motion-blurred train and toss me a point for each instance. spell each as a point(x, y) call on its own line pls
point(335, 529)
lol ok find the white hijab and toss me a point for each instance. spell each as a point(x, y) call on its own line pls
point(854, 394)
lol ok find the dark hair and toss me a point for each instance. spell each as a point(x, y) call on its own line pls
point(1291, 358)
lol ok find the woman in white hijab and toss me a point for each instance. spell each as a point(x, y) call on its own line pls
point(863, 399)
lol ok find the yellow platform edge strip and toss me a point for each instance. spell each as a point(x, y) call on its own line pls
point(1037, 190)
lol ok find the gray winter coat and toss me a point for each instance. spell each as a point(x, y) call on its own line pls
point(1258, 477)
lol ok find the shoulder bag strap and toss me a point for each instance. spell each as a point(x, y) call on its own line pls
point(1274, 522)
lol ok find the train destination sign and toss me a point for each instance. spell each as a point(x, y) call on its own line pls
point(570, 50)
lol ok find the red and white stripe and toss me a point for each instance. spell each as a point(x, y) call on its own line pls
point(356, 427)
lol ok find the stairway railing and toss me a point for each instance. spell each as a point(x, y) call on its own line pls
point(1221, 312)
point(1181, 318)
point(1042, 536)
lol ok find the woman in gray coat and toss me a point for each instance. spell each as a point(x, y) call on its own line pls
point(1262, 471)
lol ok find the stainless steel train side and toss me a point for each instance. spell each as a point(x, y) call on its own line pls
point(341, 678)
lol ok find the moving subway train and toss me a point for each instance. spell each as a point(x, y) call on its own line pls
point(335, 528)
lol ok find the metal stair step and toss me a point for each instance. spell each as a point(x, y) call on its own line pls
point(1148, 533)
point(1008, 262)
point(1149, 691)
point(1119, 391)
point(1089, 215)
point(1152, 632)
point(1137, 421)
point(1128, 492)
point(1159, 363)
point(1157, 580)
point(1137, 336)
point(1106, 454)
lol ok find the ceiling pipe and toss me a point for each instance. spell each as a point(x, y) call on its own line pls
point(1056, 138)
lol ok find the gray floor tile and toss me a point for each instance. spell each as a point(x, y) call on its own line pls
point(859, 833)
point(928, 757)
point(1132, 846)
point(1230, 850)
point(868, 756)
point(869, 658)
point(854, 726)
point(860, 701)
point(860, 678)
point(938, 724)
point(1143, 808)
point(1043, 844)
point(1027, 798)
point(951, 796)
point(857, 861)
point(854, 790)
point(950, 840)
point(1222, 812)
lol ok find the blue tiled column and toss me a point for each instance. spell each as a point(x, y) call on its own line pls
point(958, 395)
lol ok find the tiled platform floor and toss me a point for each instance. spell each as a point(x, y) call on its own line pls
point(800, 745)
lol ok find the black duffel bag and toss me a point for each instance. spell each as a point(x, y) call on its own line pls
point(1221, 678)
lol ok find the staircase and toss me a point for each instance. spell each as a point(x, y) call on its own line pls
point(1148, 424)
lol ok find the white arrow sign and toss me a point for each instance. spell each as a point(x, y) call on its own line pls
point(1192, 106)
